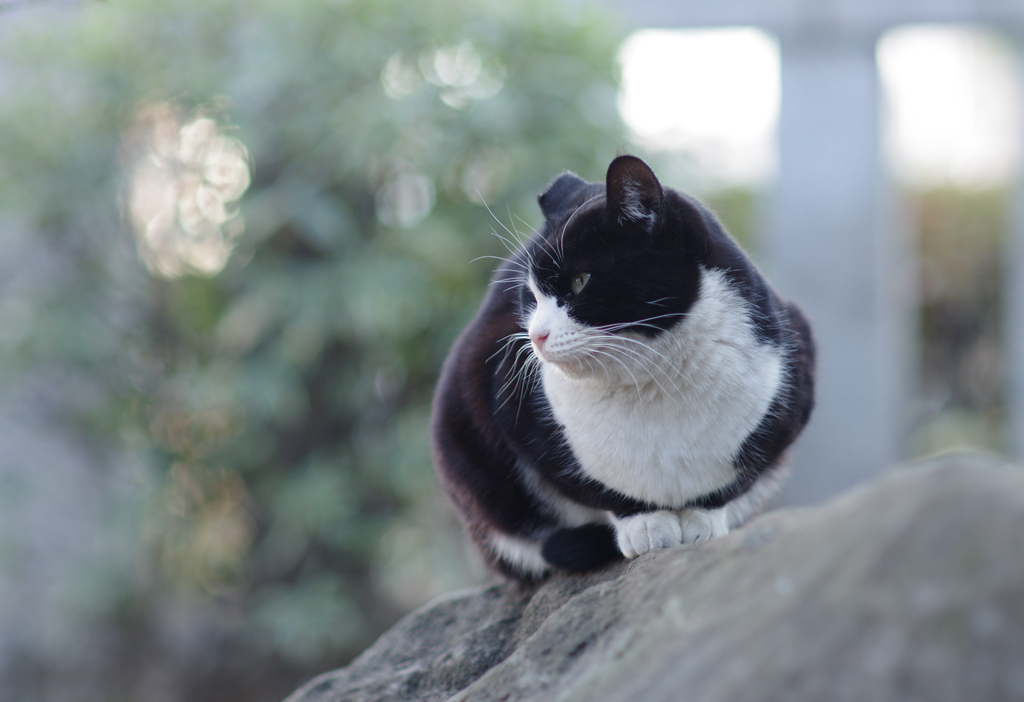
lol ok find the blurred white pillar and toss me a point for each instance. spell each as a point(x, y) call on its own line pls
point(1013, 320)
point(834, 243)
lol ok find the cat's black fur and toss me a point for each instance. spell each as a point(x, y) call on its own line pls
point(500, 451)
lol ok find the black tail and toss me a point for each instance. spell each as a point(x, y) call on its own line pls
point(583, 548)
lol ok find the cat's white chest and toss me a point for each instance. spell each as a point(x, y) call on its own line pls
point(669, 433)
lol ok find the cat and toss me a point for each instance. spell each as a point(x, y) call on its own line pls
point(630, 382)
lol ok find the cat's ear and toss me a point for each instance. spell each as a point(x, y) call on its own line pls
point(634, 193)
point(560, 193)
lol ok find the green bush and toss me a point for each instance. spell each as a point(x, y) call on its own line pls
point(264, 364)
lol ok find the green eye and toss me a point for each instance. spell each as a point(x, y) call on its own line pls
point(580, 282)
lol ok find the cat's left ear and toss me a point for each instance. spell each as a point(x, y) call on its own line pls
point(634, 193)
point(560, 193)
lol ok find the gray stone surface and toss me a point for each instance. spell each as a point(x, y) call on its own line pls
point(907, 588)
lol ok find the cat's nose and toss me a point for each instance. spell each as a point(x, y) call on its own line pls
point(538, 338)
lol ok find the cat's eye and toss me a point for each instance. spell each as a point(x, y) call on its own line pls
point(579, 282)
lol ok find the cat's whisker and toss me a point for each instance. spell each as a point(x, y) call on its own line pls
point(531, 357)
point(519, 364)
point(645, 363)
point(667, 365)
point(639, 392)
point(509, 246)
point(533, 230)
point(530, 372)
point(645, 322)
point(491, 213)
point(552, 246)
point(508, 341)
point(509, 283)
point(517, 269)
point(511, 242)
point(515, 384)
point(607, 338)
point(512, 283)
point(561, 235)
point(611, 331)
point(493, 258)
point(651, 349)
point(518, 235)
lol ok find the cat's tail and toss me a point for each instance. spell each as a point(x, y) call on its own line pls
point(581, 548)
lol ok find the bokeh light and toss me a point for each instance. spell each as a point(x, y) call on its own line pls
point(713, 94)
point(953, 107)
point(184, 187)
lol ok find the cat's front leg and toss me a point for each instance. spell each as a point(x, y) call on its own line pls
point(699, 525)
point(639, 533)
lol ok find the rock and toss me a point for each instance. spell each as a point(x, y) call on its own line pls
point(908, 588)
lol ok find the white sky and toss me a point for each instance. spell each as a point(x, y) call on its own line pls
point(952, 110)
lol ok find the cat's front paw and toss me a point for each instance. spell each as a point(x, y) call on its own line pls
point(640, 533)
point(699, 525)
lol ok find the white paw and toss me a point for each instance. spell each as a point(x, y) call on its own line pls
point(645, 532)
point(699, 525)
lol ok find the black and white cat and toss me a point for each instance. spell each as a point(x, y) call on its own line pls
point(631, 382)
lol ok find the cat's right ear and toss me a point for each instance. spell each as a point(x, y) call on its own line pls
point(634, 193)
point(560, 194)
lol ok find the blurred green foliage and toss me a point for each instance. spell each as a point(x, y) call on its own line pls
point(960, 240)
point(273, 415)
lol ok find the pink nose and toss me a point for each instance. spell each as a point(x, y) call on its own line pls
point(538, 339)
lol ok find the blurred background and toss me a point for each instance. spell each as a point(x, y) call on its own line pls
point(238, 238)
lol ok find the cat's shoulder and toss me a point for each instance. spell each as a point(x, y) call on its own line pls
point(721, 256)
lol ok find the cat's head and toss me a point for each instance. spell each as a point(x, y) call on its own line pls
point(612, 270)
